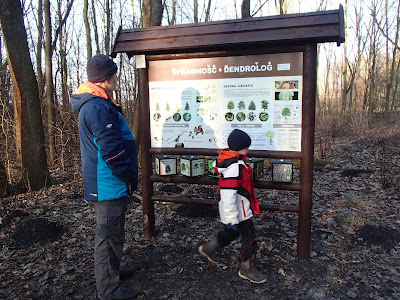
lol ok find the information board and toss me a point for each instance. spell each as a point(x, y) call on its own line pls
point(199, 101)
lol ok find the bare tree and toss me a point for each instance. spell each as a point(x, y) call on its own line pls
point(245, 8)
point(282, 6)
point(96, 32)
point(3, 180)
point(29, 128)
point(152, 13)
point(63, 62)
point(345, 66)
point(51, 119)
point(87, 29)
point(208, 9)
point(195, 11)
point(39, 48)
point(50, 45)
point(107, 27)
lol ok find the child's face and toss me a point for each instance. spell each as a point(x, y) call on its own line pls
point(243, 151)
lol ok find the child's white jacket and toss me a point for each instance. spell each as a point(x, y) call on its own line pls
point(236, 189)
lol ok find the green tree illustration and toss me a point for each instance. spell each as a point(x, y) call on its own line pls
point(286, 112)
point(183, 167)
point(157, 107)
point(231, 105)
point(271, 135)
point(241, 105)
point(264, 104)
point(187, 107)
point(252, 105)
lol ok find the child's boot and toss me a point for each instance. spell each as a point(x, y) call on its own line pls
point(208, 250)
point(249, 272)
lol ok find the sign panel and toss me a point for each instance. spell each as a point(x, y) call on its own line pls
point(199, 101)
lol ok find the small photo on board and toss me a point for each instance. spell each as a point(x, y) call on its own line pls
point(287, 85)
point(286, 95)
point(203, 99)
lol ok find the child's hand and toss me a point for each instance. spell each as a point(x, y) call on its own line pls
point(230, 226)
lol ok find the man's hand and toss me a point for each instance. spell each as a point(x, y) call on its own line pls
point(232, 227)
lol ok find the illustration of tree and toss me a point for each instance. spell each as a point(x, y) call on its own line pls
point(187, 107)
point(264, 104)
point(252, 106)
point(167, 107)
point(270, 134)
point(183, 167)
point(241, 105)
point(157, 107)
point(167, 169)
point(286, 112)
point(231, 105)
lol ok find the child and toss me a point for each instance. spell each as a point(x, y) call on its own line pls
point(237, 205)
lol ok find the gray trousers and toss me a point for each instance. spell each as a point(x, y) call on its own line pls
point(109, 244)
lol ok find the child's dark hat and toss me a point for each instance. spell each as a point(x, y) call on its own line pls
point(100, 68)
point(238, 140)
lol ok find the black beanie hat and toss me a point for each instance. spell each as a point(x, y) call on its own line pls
point(238, 140)
point(100, 68)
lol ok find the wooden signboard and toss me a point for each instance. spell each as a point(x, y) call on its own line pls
point(197, 82)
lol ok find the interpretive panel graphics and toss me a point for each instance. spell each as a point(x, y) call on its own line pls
point(199, 101)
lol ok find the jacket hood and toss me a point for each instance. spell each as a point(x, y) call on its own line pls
point(226, 158)
point(87, 91)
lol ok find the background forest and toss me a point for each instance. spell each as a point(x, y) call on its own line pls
point(356, 82)
point(46, 234)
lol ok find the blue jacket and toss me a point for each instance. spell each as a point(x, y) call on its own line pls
point(108, 147)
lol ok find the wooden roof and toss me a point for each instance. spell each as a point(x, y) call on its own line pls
point(318, 27)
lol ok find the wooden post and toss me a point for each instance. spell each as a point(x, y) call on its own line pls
point(145, 162)
point(307, 146)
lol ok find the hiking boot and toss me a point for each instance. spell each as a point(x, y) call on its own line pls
point(125, 293)
point(249, 272)
point(125, 274)
point(208, 250)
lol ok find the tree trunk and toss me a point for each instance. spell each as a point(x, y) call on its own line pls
point(173, 12)
point(63, 64)
point(87, 29)
point(208, 18)
point(152, 13)
point(3, 179)
point(195, 11)
point(96, 33)
point(345, 66)
point(39, 47)
point(107, 28)
point(388, 105)
point(246, 9)
point(26, 96)
point(151, 16)
point(51, 119)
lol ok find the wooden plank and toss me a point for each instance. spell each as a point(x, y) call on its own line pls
point(259, 184)
point(199, 201)
point(319, 27)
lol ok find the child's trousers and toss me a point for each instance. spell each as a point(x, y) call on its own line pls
point(247, 232)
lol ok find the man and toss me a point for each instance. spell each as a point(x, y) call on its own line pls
point(110, 171)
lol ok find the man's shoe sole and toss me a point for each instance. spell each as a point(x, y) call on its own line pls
point(251, 280)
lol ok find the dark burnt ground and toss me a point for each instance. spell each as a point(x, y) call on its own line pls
point(46, 238)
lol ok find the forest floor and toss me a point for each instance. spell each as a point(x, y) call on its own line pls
point(46, 237)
